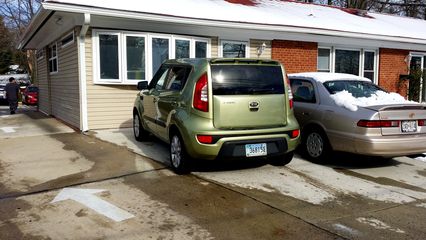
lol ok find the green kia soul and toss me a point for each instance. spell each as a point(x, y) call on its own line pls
point(218, 109)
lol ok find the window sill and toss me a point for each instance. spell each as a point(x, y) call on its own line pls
point(117, 83)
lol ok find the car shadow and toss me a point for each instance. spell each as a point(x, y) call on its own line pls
point(342, 160)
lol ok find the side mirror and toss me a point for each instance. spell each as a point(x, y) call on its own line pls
point(142, 85)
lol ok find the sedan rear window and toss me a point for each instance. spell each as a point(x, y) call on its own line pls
point(356, 88)
point(247, 79)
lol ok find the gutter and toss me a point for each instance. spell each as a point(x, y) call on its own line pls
point(84, 125)
point(226, 24)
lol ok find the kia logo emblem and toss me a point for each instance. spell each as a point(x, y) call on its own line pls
point(254, 105)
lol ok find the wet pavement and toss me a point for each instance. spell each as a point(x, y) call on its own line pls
point(56, 183)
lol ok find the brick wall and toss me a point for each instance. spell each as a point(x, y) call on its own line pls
point(296, 56)
point(391, 65)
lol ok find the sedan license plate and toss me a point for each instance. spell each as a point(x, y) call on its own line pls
point(255, 150)
point(408, 126)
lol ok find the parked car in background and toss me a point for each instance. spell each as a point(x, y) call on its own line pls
point(218, 108)
point(348, 113)
point(30, 95)
point(2, 91)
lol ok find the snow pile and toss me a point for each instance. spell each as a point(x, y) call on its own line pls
point(346, 100)
point(423, 159)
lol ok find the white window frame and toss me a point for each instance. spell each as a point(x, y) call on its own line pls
point(53, 58)
point(247, 43)
point(422, 56)
point(152, 36)
point(329, 59)
point(122, 55)
point(361, 59)
point(96, 58)
point(374, 63)
point(70, 42)
point(206, 40)
point(124, 62)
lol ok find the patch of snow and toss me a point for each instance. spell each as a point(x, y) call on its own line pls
point(271, 179)
point(287, 14)
point(423, 159)
point(348, 101)
point(422, 205)
point(324, 77)
point(343, 228)
point(377, 224)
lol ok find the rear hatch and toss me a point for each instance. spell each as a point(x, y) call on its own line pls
point(406, 118)
point(248, 94)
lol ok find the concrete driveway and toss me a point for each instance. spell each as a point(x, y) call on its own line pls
point(59, 184)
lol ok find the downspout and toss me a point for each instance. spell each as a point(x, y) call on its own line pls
point(84, 125)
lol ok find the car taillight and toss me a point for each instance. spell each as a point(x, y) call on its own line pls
point(422, 122)
point(205, 139)
point(290, 94)
point(295, 133)
point(377, 123)
point(201, 94)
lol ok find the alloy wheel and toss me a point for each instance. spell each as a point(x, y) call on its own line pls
point(315, 145)
point(176, 151)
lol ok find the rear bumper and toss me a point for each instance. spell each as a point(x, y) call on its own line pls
point(234, 147)
point(389, 146)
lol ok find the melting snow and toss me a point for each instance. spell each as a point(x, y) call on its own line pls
point(423, 159)
point(346, 100)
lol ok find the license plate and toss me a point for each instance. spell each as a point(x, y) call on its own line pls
point(408, 126)
point(255, 150)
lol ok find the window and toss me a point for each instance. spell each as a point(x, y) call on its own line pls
point(182, 48)
point(200, 49)
point(53, 58)
point(323, 60)
point(177, 78)
point(247, 79)
point(159, 78)
point(347, 61)
point(303, 91)
point(123, 57)
point(160, 52)
point(67, 40)
point(135, 57)
point(234, 49)
point(360, 62)
point(369, 65)
point(109, 56)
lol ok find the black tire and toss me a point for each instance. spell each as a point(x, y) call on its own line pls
point(283, 159)
point(179, 158)
point(138, 130)
point(316, 146)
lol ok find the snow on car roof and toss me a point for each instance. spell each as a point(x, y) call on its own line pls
point(273, 13)
point(325, 77)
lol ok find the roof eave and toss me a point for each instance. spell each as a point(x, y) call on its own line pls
point(36, 23)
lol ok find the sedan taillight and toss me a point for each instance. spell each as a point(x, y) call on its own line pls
point(378, 123)
point(422, 122)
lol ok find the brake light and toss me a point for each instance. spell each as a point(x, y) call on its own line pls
point(290, 94)
point(201, 94)
point(377, 123)
point(295, 133)
point(205, 139)
point(422, 122)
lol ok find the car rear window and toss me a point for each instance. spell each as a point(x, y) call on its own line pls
point(32, 89)
point(247, 79)
point(356, 88)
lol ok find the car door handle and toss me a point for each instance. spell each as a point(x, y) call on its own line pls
point(305, 114)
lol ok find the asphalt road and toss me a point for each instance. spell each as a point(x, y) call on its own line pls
point(59, 184)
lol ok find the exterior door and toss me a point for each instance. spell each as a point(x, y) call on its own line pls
point(416, 87)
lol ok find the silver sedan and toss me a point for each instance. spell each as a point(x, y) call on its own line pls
point(343, 112)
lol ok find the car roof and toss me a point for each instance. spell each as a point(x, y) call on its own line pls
point(325, 77)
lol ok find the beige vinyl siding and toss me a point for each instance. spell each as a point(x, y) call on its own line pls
point(65, 94)
point(43, 86)
point(255, 44)
point(214, 47)
point(108, 106)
